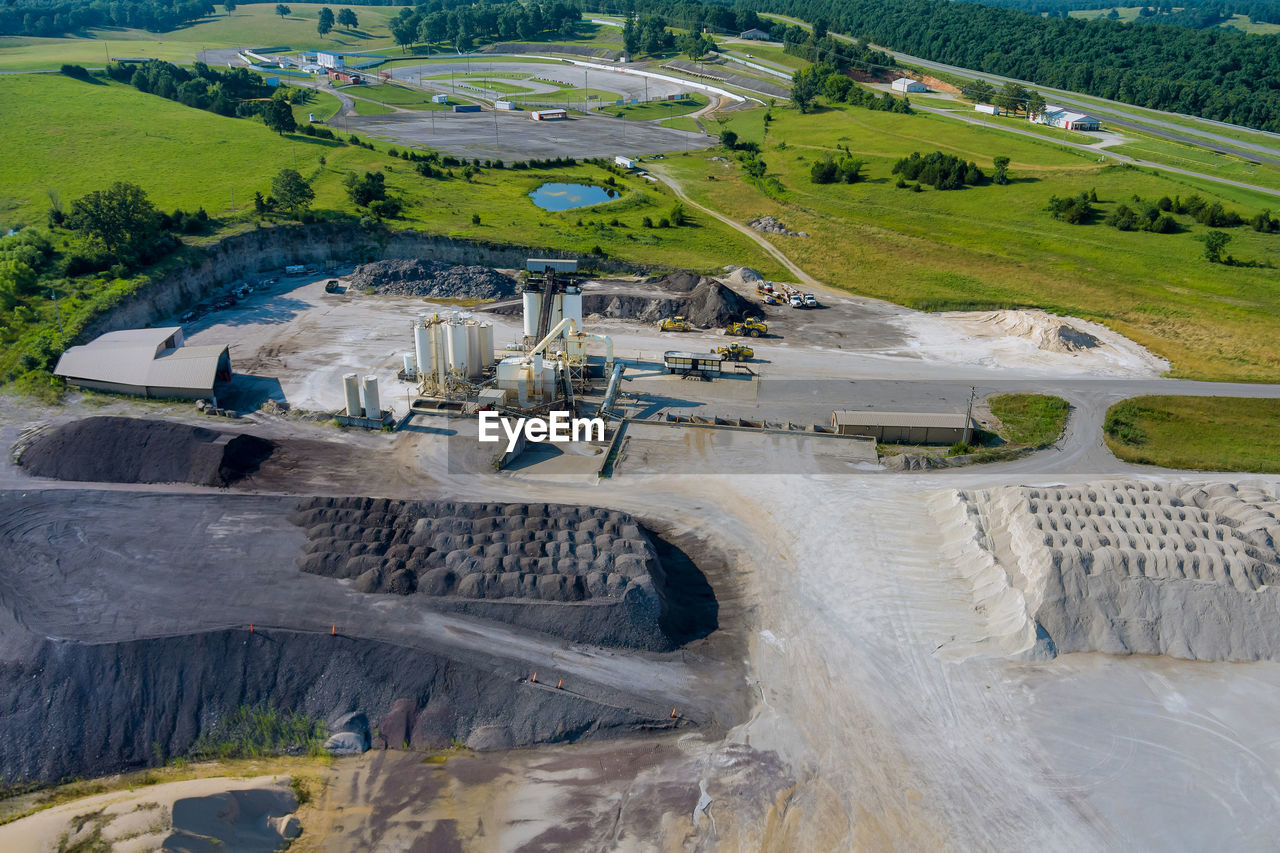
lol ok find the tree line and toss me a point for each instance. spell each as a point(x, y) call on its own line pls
point(1218, 74)
point(59, 17)
point(464, 25)
point(1185, 13)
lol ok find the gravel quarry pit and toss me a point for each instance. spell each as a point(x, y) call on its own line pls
point(1184, 570)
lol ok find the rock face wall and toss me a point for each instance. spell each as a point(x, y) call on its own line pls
point(269, 249)
point(1132, 568)
point(73, 709)
point(582, 573)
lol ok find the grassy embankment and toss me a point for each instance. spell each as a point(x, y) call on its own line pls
point(996, 246)
point(1030, 420)
point(1200, 433)
point(659, 109)
point(254, 25)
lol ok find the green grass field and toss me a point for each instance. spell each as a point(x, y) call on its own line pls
point(1242, 22)
point(771, 53)
point(992, 246)
point(657, 110)
point(501, 87)
point(247, 26)
point(1199, 433)
point(323, 105)
point(1200, 160)
point(1035, 420)
point(682, 123)
point(394, 95)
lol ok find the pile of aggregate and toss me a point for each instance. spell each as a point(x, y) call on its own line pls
point(134, 450)
point(701, 300)
point(583, 573)
point(432, 279)
point(772, 225)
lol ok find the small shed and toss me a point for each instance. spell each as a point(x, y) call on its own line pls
point(906, 84)
point(549, 115)
point(903, 427)
point(692, 363)
point(439, 99)
point(754, 34)
point(557, 264)
point(624, 162)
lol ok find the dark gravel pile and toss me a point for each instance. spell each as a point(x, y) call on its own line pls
point(581, 572)
point(432, 279)
point(86, 710)
point(134, 450)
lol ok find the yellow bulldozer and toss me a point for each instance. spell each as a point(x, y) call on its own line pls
point(736, 352)
point(752, 327)
point(675, 324)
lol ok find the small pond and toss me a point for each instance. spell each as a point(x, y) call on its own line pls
point(569, 196)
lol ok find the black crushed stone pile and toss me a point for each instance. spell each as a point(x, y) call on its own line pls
point(423, 278)
point(134, 450)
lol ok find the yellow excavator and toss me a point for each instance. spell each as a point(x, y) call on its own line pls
point(675, 324)
point(752, 327)
point(736, 352)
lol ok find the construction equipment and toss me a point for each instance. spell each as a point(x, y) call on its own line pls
point(675, 324)
point(736, 352)
point(752, 327)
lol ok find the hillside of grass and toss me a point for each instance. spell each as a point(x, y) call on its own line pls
point(1034, 420)
point(1199, 433)
point(248, 26)
point(997, 246)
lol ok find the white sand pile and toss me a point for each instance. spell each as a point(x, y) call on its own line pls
point(1046, 331)
point(744, 276)
point(1181, 570)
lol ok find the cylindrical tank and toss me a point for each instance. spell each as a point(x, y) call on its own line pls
point(372, 406)
point(410, 364)
point(557, 311)
point(486, 346)
point(532, 307)
point(473, 349)
point(572, 306)
point(456, 341)
point(422, 346)
point(440, 353)
point(351, 385)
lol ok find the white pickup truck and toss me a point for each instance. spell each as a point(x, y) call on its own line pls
point(810, 301)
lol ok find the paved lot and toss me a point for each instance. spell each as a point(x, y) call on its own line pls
point(513, 136)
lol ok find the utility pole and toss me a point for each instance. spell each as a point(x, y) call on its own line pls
point(56, 310)
point(968, 416)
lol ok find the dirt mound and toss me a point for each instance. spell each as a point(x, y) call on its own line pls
point(472, 556)
point(432, 279)
point(702, 301)
point(133, 450)
point(744, 276)
point(1045, 330)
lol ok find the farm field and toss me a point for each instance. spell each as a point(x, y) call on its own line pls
point(248, 26)
point(164, 147)
point(1200, 433)
point(922, 249)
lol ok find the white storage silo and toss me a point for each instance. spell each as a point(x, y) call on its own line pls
point(422, 346)
point(456, 344)
point(572, 306)
point(486, 346)
point(351, 386)
point(372, 405)
point(473, 348)
point(532, 307)
point(410, 364)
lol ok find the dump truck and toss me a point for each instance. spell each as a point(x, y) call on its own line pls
point(736, 352)
point(675, 324)
point(752, 327)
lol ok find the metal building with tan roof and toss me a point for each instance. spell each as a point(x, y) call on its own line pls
point(148, 363)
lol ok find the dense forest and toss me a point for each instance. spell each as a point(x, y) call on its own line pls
point(1196, 14)
point(1218, 74)
point(463, 24)
point(58, 17)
